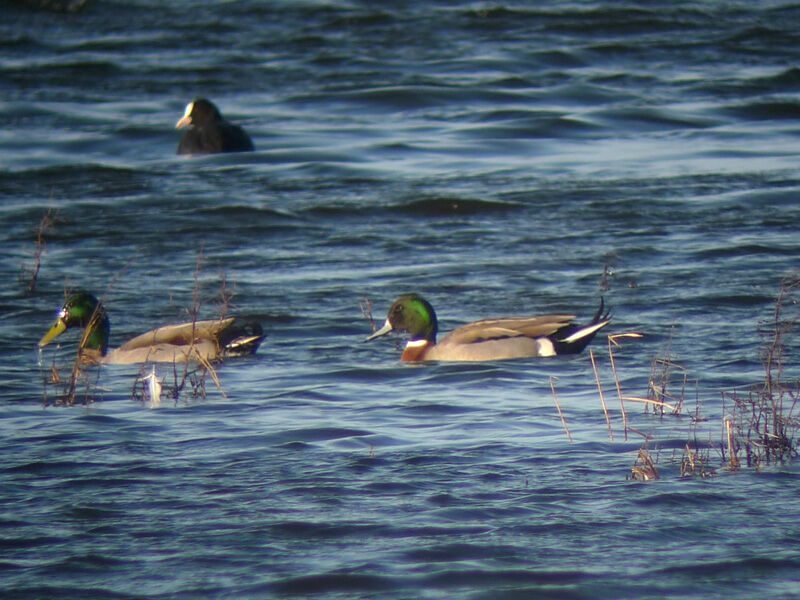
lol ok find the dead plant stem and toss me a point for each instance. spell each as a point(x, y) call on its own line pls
point(558, 407)
point(602, 395)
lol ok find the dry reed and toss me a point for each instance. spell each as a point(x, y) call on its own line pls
point(612, 341)
point(366, 310)
point(763, 423)
point(644, 468)
point(49, 220)
point(558, 407)
point(602, 395)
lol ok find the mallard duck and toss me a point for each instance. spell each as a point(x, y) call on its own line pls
point(490, 339)
point(198, 341)
point(210, 133)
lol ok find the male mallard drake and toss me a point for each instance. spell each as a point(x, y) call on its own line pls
point(490, 339)
point(210, 133)
point(198, 341)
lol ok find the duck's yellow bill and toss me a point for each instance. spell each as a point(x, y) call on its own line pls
point(56, 330)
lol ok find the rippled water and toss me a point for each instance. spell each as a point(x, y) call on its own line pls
point(493, 157)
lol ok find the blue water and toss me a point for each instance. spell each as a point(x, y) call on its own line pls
point(494, 157)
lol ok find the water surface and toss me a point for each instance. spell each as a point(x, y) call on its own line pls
point(493, 157)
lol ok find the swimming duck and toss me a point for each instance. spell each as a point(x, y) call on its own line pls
point(210, 133)
point(489, 339)
point(198, 341)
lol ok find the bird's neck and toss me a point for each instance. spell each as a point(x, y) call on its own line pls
point(415, 350)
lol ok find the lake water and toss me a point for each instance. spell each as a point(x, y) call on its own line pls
point(494, 157)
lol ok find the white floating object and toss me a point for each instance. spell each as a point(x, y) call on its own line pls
point(153, 389)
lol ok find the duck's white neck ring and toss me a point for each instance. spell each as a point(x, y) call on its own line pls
point(416, 343)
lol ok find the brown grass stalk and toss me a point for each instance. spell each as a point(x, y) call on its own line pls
point(612, 341)
point(196, 375)
point(602, 395)
point(49, 219)
point(644, 468)
point(650, 402)
point(558, 407)
point(658, 386)
point(763, 422)
point(733, 459)
point(366, 310)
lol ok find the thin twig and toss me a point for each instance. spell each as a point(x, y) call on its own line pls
point(619, 388)
point(366, 310)
point(733, 459)
point(558, 406)
point(48, 220)
point(658, 403)
point(612, 340)
point(602, 395)
point(648, 470)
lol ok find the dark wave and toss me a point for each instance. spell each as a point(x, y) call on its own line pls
point(56, 185)
point(644, 119)
point(326, 583)
point(444, 205)
point(765, 110)
point(530, 125)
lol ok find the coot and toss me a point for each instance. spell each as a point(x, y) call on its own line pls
point(210, 132)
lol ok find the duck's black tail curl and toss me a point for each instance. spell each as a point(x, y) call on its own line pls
point(572, 339)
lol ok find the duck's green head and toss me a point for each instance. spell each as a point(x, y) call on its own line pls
point(83, 310)
point(411, 313)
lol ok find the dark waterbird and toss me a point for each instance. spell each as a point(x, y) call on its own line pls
point(210, 132)
point(489, 339)
point(202, 341)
